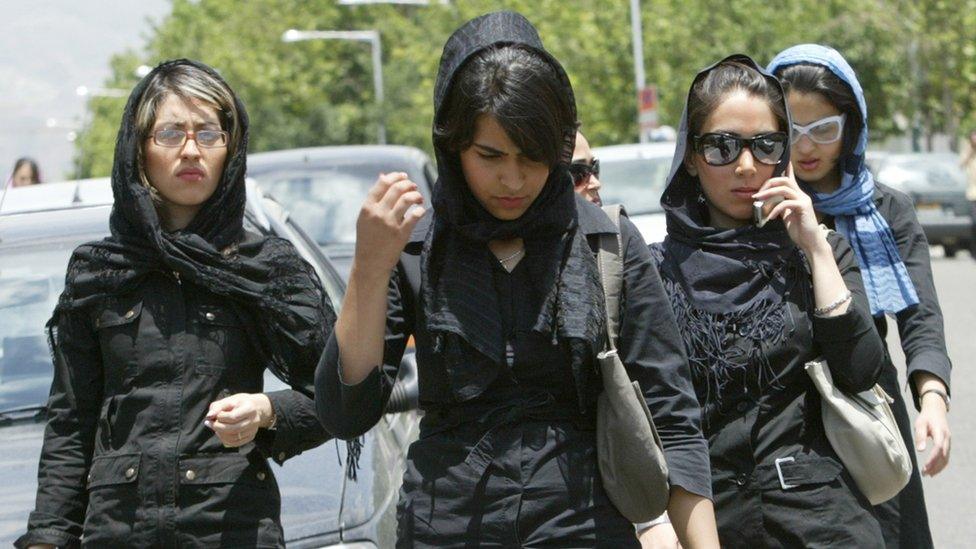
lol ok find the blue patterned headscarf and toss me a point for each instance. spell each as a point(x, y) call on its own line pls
point(886, 279)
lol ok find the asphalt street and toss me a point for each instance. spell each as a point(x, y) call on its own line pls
point(951, 496)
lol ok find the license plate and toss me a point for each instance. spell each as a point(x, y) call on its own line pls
point(927, 206)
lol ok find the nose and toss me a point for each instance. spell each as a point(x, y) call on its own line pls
point(190, 148)
point(804, 144)
point(512, 176)
point(594, 184)
point(746, 164)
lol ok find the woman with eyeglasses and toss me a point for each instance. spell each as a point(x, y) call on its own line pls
point(500, 287)
point(755, 302)
point(830, 137)
point(585, 170)
point(158, 431)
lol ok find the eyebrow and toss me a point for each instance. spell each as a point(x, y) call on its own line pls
point(183, 124)
point(489, 149)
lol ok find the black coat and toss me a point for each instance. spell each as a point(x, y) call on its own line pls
point(127, 460)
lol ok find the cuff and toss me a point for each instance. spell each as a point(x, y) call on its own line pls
point(57, 538)
point(689, 467)
point(845, 327)
point(347, 411)
point(297, 429)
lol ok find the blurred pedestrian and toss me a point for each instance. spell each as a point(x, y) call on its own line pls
point(500, 287)
point(969, 164)
point(830, 138)
point(585, 170)
point(25, 172)
point(751, 316)
point(158, 430)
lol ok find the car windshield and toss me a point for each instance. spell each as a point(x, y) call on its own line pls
point(325, 201)
point(31, 280)
point(928, 171)
point(637, 183)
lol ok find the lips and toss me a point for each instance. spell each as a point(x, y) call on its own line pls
point(745, 193)
point(808, 165)
point(510, 201)
point(190, 174)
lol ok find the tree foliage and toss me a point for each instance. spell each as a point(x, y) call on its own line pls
point(916, 59)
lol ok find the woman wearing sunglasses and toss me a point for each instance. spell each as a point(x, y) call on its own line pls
point(829, 140)
point(585, 170)
point(754, 305)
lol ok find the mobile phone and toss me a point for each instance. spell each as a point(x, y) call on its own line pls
point(761, 209)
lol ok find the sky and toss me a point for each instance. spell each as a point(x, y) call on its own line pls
point(49, 49)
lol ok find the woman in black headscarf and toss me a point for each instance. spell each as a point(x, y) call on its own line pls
point(754, 303)
point(158, 431)
point(500, 288)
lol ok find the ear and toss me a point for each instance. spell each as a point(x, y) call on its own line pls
point(690, 167)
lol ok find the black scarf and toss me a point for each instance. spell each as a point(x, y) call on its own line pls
point(289, 313)
point(725, 285)
point(458, 294)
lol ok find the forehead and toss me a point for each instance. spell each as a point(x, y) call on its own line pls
point(582, 148)
point(741, 113)
point(489, 132)
point(808, 107)
point(175, 109)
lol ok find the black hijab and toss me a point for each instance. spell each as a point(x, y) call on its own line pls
point(289, 313)
point(725, 284)
point(458, 294)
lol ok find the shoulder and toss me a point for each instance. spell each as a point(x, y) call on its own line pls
point(892, 203)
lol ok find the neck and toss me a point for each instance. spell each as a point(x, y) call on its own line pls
point(828, 183)
point(718, 219)
point(174, 217)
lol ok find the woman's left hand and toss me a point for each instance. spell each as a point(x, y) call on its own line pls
point(237, 418)
point(933, 423)
point(795, 209)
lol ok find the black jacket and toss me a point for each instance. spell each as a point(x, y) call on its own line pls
point(127, 460)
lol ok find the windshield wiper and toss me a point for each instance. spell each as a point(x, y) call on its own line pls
point(23, 413)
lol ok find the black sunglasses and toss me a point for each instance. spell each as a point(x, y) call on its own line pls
point(582, 170)
point(719, 149)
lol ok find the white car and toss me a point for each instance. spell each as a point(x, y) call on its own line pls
point(635, 175)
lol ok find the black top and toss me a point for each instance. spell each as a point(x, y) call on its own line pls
point(757, 418)
point(921, 328)
point(649, 346)
point(134, 378)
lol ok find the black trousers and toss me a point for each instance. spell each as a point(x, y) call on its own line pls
point(524, 484)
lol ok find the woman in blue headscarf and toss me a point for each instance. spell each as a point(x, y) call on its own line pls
point(830, 137)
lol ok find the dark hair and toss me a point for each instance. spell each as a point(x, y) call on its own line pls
point(811, 78)
point(519, 88)
point(729, 76)
point(35, 171)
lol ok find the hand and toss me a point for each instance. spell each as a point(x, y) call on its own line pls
point(41, 546)
point(933, 423)
point(237, 418)
point(795, 209)
point(659, 536)
point(384, 227)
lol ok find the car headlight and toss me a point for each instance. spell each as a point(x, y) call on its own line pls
point(352, 545)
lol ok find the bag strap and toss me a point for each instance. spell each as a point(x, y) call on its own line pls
point(611, 263)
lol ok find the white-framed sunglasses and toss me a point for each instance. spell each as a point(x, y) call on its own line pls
point(823, 131)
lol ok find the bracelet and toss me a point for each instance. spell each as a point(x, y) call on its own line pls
point(642, 526)
point(822, 311)
point(940, 392)
point(274, 420)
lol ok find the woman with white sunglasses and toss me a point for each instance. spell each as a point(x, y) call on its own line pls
point(828, 145)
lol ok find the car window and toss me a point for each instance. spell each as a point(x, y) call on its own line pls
point(637, 183)
point(927, 172)
point(30, 282)
point(325, 200)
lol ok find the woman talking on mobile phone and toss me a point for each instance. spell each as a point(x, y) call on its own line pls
point(754, 305)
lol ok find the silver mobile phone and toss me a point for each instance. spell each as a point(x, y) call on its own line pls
point(761, 209)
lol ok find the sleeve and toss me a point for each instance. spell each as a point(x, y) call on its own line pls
point(920, 328)
point(296, 426)
point(652, 351)
point(348, 411)
point(73, 409)
point(850, 342)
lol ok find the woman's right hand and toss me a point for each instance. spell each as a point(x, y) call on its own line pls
point(384, 224)
point(41, 546)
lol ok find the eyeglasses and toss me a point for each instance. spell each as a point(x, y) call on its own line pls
point(582, 171)
point(719, 149)
point(823, 131)
point(209, 139)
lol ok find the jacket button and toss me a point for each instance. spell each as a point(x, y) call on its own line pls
point(741, 479)
point(210, 316)
point(190, 474)
point(130, 314)
point(261, 475)
point(89, 477)
point(130, 472)
point(281, 456)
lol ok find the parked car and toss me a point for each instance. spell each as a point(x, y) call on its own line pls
point(937, 185)
point(321, 507)
point(636, 175)
point(324, 187)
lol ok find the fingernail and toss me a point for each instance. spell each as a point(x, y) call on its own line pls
point(208, 423)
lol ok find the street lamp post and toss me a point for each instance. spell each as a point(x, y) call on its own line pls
point(371, 36)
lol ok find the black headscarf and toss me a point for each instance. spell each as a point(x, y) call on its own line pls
point(457, 289)
point(289, 313)
point(724, 284)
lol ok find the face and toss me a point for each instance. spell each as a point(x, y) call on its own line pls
point(185, 176)
point(589, 186)
point(815, 163)
point(500, 176)
point(23, 176)
point(728, 189)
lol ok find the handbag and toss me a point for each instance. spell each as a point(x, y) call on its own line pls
point(862, 430)
point(629, 451)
